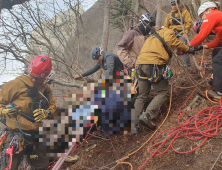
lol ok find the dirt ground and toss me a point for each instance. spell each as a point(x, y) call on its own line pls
point(111, 148)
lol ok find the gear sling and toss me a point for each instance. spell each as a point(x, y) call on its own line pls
point(17, 143)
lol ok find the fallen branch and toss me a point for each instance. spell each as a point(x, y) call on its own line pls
point(70, 68)
point(215, 161)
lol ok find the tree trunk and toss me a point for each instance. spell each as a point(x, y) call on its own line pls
point(158, 14)
point(194, 3)
point(105, 35)
point(135, 7)
point(106, 23)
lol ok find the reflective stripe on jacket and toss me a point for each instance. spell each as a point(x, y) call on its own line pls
point(212, 23)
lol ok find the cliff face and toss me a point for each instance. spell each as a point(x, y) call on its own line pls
point(9, 3)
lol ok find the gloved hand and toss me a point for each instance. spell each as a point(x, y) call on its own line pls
point(9, 111)
point(191, 50)
point(179, 53)
point(198, 48)
point(77, 77)
point(40, 114)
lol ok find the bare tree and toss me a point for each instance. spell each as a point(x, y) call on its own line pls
point(28, 30)
point(159, 14)
point(195, 4)
point(121, 17)
point(106, 23)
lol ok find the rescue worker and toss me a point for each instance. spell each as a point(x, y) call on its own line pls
point(214, 1)
point(176, 26)
point(130, 45)
point(211, 22)
point(105, 60)
point(150, 66)
point(24, 95)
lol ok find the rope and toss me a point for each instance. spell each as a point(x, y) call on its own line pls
point(191, 126)
point(210, 99)
point(175, 135)
point(205, 124)
point(66, 89)
point(186, 75)
point(119, 161)
point(76, 147)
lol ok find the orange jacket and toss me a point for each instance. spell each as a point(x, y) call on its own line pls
point(212, 23)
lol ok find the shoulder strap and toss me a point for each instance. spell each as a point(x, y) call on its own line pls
point(136, 29)
point(164, 45)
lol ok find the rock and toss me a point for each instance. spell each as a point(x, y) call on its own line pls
point(72, 158)
point(90, 148)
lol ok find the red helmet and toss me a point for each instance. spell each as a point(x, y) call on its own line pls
point(40, 66)
point(197, 25)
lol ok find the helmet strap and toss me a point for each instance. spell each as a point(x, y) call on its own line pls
point(100, 51)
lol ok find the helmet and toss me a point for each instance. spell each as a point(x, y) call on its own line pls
point(40, 66)
point(197, 25)
point(205, 6)
point(172, 2)
point(149, 19)
point(52, 75)
point(96, 52)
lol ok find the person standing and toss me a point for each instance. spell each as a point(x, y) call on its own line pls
point(211, 23)
point(176, 26)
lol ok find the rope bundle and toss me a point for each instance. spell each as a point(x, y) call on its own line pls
point(205, 124)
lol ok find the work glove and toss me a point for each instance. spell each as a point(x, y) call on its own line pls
point(179, 53)
point(198, 48)
point(191, 50)
point(10, 111)
point(77, 77)
point(40, 114)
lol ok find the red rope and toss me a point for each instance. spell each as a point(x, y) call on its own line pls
point(205, 124)
point(51, 164)
point(66, 89)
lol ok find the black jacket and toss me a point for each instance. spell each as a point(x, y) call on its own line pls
point(110, 62)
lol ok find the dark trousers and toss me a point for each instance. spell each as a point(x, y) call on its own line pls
point(160, 87)
point(217, 72)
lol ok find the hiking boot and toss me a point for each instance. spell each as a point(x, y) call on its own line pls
point(135, 130)
point(214, 95)
point(145, 118)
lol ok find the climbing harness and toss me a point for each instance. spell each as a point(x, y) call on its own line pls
point(167, 73)
point(154, 75)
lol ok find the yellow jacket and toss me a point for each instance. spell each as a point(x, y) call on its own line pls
point(186, 21)
point(15, 92)
point(153, 51)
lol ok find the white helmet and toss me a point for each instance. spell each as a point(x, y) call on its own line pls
point(205, 6)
